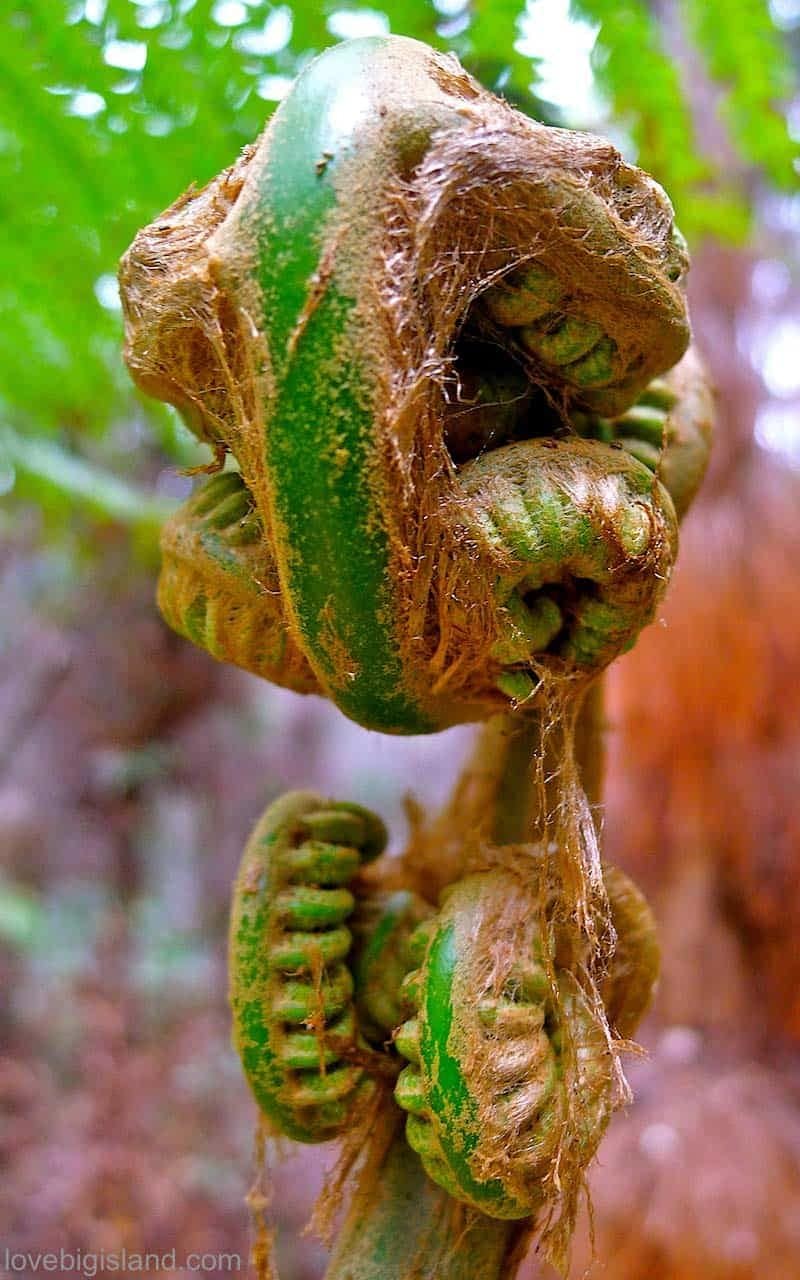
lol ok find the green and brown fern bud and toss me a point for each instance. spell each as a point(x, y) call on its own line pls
point(511, 1083)
point(400, 281)
point(291, 987)
point(580, 538)
point(219, 586)
point(669, 429)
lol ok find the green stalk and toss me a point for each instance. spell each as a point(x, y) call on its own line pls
point(401, 1226)
point(520, 803)
point(47, 473)
point(515, 798)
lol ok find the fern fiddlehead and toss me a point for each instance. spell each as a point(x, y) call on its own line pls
point(345, 295)
point(486, 1043)
point(432, 334)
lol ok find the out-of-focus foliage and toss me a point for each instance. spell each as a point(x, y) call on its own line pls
point(49, 476)
point(644, 85)
point(110, 108)
point(744, 54)
point(635, 62)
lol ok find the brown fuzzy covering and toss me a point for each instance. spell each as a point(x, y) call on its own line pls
point(176, 344)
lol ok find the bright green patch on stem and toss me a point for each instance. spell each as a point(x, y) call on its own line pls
point(321, 447)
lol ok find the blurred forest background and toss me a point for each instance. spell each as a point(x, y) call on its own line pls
point(132, 767)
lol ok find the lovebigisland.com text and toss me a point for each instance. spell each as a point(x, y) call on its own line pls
point(120, 1263)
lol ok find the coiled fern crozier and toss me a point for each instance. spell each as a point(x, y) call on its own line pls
point(447, 350)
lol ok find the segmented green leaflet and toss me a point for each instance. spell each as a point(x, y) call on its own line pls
point(291, 988)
